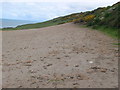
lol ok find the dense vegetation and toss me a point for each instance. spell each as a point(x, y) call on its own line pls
point(105, 19)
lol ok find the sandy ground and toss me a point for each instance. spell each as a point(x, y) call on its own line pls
point(63, 56)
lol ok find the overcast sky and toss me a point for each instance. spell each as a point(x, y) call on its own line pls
point(41, 10)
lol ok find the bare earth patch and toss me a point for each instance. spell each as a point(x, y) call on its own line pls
point(62, 56)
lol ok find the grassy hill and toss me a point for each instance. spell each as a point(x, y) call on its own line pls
point(105, 19)
point(56, 21)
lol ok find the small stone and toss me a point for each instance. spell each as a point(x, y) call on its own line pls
point(33, 77)
point(75, 84)
point(66, 65)
point(18, 63)
point(25, 47)
point(71, 77)
point(112, 70)
point(76, 65)
point(83, 45)
point(33, 82)
point(31, 71)
point(95, 67)
point(103, 70)
point(42, 59)
point(29, 61)
point(28, 65)
point(77, 52)
point(44, 67)
point(79, 77)
point(90, 62)
point(66, 55)
point(49, 65)
point(58, 58)
point(19, 86)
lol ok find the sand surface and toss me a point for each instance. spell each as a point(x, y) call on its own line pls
point(62, 56)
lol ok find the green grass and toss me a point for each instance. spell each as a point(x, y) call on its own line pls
point(116, 43)
point(113, 32)
point(32, 26)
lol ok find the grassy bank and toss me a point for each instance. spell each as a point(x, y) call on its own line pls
point(34, 26)
point(116, 44)
point(113, 32)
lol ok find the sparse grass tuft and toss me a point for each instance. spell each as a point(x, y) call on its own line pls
point(116, 43)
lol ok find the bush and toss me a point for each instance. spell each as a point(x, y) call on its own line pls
point(88, 18)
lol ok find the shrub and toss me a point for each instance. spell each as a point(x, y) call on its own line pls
point(88, 18)
point(78, 20)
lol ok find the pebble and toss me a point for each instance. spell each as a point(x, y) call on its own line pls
point(103, 70)
point(42, 59)
point(71, 77)
point(66, 55)
point(75, 84)
point(90, 62)
point(29, 61)
point(31, 71)
point(66, 65)
point(19, 86)
point(76, 65)
point(77, 52)
point(44, 67)
point(99, 69)
point(58, 58)
point(83, 45)
point(45, 57)
point(49, 65)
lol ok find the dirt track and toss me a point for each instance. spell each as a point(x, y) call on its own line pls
point(63, 56)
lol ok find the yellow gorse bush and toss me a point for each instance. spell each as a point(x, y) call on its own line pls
point(77, 20)
point(84, 19)
point(88, 17)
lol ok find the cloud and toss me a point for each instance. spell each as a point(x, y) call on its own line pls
point(41, 11)
point(108, 1)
